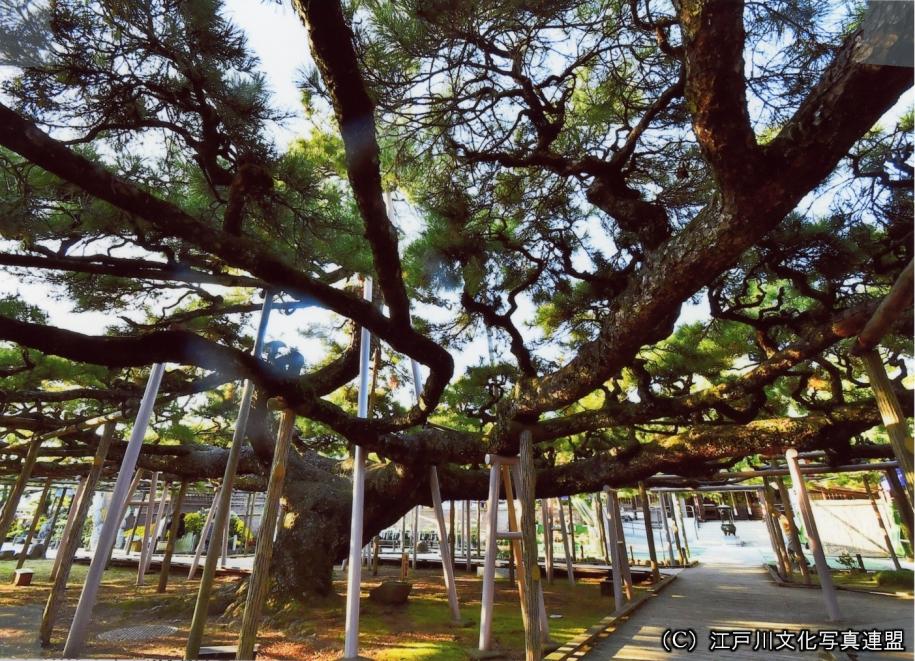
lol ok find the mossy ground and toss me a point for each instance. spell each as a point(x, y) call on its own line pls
point(420, 630)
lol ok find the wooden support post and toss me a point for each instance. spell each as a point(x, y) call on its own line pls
point(625, 575)
point(546, 522)
point(516, 558)
point(746, 495)
point(376, 551)
point(886, 535)
point(775, 530)
point(649, 532)
point(902, 504)
point(249, 521)
point(70, 541)
point(447, 562)
point(570, 570)
point(224, 504)
point(68, 526)
point(526, 492)
point(83, 615)
point(12, 501)
point(670, 545)
point(54, 516)
point(681, 524)
point(892, 415)
point(733, 503)
point(42, 503)
point(614, 549)
point(601, 528)
point(148, 523)
point(676, 527)
point(794, 538)
point(826, 586)
point(157, 528)
point(224, 554)
point(489, 561)
point(204, 540)
point(177, 502)
point(260, 573)
point(767, 519)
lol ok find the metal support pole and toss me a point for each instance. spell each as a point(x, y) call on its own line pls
point(819, 558)
point(467, 535)
point(223, 505)
point(415, 539)
point(489, 560)
point(572, 529)
point(354, 568)
point(80, 626)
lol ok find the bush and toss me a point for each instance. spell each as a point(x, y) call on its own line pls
point(891, 578)
point(193, 522)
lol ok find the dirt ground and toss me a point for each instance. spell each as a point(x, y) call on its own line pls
point(419, 630)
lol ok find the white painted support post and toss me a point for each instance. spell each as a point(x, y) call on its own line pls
point(447, 563)
point(467, 535)
point(613, 551)
point(803, 501)
point(148, 523)
point(224, 504)
point(354, 569)
point(570, 570)
point(83, 615)
point(415, 534)
point(204, 534)
point(489, 560)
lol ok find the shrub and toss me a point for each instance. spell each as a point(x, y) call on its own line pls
point(193, 522)
point(891, 578)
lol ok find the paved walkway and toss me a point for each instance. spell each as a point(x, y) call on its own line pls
point(730, 590)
